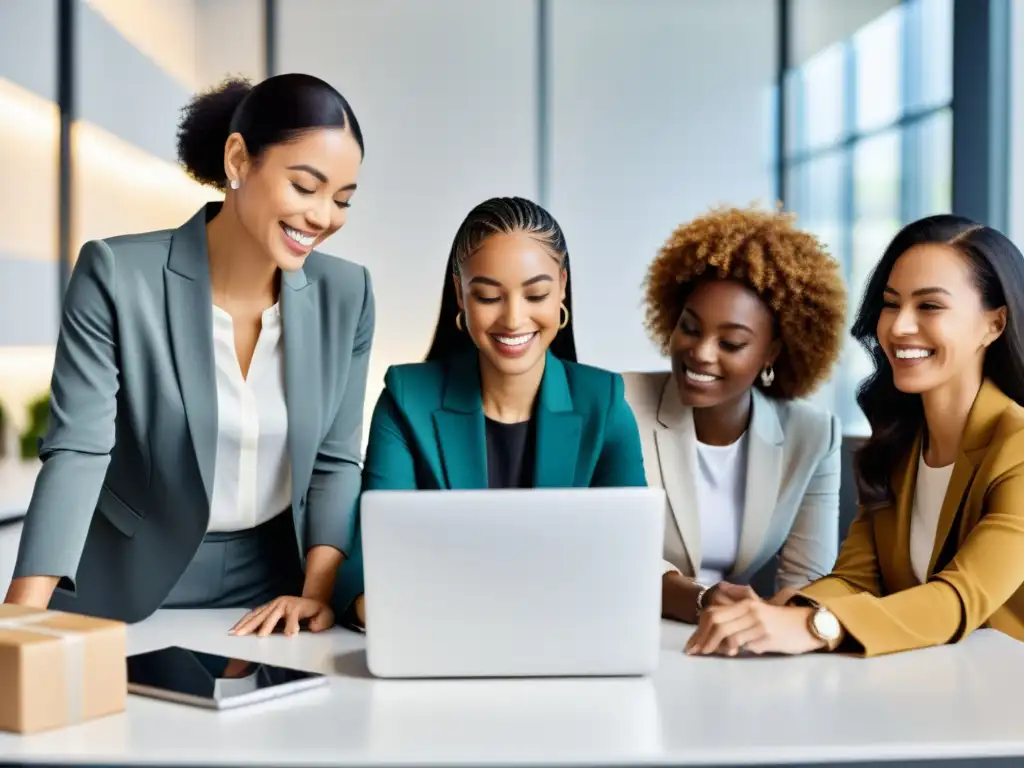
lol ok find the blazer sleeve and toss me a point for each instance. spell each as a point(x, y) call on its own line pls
point(389, 458)
point(811, 546)
point(80, 435)
point(856, 570)
point(983, 574)
point(337, 476)
point(389, 466)
point(621, 463)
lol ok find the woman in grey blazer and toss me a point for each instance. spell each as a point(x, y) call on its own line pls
point(205, 427)
point(751, 312)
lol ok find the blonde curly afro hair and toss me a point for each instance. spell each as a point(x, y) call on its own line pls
point(789, 269)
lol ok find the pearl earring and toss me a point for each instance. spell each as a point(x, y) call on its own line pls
point(234, 184)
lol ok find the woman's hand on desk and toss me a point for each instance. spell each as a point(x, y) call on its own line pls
point(754, 626)
point(360, 608)
point(289, 609)
point(724, 593)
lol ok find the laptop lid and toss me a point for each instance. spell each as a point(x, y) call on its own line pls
point(502, 583)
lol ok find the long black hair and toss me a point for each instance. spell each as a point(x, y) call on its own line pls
point(271, 112)
point(896, 417)
point(499, 216)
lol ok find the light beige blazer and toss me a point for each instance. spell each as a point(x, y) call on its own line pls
point(792, 491)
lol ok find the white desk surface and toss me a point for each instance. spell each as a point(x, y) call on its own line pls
point(956, 701)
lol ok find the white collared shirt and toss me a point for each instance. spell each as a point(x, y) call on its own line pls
point(252, 481)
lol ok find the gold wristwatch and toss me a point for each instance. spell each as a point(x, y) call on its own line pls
point(824, 625)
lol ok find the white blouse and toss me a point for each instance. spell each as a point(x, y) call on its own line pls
point(252, 480)
point(721, 494)
point(929, 493)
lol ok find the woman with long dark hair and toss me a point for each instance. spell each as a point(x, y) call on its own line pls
point(500, 400)
point(938, 547)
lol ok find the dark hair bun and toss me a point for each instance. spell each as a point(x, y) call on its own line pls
point(204, 129)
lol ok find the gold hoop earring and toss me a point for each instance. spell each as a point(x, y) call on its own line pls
point(565, 319)
point(458, 320)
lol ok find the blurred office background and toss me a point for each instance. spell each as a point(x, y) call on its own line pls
point(624, 117)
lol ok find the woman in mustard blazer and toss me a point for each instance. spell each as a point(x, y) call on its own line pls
point(500, 401)
point(937, 550)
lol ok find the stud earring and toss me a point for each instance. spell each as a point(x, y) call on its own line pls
point(235, 184)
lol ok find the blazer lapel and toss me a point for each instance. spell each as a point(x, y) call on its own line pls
point(300, 318)
point(764, 474)
point(460, 429)
point(190, 320)
point(676, 440)
point(988, 406)
point(558, 429)
point(904, 481)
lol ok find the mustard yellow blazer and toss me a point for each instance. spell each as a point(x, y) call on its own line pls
point(872, 589)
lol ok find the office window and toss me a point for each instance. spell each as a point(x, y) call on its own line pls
point(869, 149)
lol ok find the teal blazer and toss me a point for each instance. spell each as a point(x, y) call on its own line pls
point(428, 433)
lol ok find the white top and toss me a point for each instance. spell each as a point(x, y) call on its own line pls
point(929, 493)
point(252, 482)
point(847, 710)
point(721, 492)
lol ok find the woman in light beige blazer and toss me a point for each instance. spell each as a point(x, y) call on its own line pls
point(751, 312)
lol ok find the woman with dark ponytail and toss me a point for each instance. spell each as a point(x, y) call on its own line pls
point(937, 550)
point(503, 353)
point(204, 438)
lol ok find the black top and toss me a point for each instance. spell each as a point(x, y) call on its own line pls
point(510, 454)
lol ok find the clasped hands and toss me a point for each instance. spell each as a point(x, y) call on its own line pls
point(738, 620)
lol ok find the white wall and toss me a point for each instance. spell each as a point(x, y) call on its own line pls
point(1017, 125)
point(653, 120)
point(229, 40)
point(163, 30)
point(445, 94)
point(28, 45)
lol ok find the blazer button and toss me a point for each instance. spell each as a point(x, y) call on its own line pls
point(302, 502)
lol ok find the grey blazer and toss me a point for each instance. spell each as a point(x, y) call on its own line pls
point(792, 491)
point(122, 501)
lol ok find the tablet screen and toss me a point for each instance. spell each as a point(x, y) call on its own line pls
point(216, 679)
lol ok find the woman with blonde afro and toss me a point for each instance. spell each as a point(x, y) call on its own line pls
point(751, 311)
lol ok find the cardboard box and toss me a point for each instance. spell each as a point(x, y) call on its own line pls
point(58, 669)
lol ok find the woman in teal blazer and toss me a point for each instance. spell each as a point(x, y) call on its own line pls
point(500, 401)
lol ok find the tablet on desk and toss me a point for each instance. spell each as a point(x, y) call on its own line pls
point(211, 681)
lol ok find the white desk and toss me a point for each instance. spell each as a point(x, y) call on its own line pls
point(940, 703)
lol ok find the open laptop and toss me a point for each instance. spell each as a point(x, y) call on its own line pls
point(513, 583)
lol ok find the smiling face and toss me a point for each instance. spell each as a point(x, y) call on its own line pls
point(723, 340)
point(933, 326)
point(511, 290)
point(297, 194)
